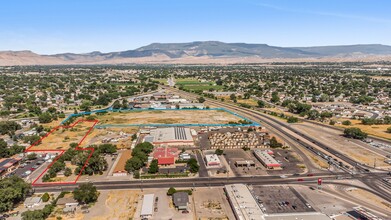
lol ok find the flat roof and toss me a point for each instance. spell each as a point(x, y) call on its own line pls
point(171, 134)
point(266, 158)
point(243, 202)
point(147, 206)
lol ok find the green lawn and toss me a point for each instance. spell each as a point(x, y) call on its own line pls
point(202, 87)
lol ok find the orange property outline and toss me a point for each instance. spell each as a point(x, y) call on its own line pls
point(62, 151)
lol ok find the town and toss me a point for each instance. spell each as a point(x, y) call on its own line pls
point(197, 137)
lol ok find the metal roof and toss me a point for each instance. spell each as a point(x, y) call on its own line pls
point(147, 207)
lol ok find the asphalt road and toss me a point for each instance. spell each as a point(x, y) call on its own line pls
point(202, 172)
point(373, 182)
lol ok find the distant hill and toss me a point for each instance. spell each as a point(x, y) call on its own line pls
point(205, 52)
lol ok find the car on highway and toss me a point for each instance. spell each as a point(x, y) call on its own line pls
point(300, 179)
point(310, 174)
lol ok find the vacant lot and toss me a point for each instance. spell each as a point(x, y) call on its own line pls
point(168, 117)
point(376, 130)
point(62, 137)
point(212, 204)
point(334, 139)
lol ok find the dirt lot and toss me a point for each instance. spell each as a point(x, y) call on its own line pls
point(62, 137)
point(343, 145)
point(118, 204)
point(122, 136)
point(212, 204)
point(168, 117)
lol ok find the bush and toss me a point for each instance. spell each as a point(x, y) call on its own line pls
point(347, 123)
point(45, 197)
point(389, 130)
point(292, 119)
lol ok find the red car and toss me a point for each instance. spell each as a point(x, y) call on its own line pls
point(310, 174)
point(32, 168)
point(300, 179)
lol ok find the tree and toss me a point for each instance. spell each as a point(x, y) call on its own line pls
point(232, 96)
point(86, 193)
point(389, 130)
point(292, 119)
point(31, 156)
point(261, 104)
point(117, 105)
point(67, 171)
point(347, 123)
point(193, 165)
point(86, 106)
point(13, 190)
point(45, 197)
point(134, 137)
point(153, 167)
point(274, 143)
point(201, 99)
point(45, 118)
point(171, 191)
point(219, 152)
point(355, 133)
point(313, 114)
point(275, 98)
point(133, 164)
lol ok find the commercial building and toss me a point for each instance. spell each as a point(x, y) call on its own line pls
point(147, 206)
point(172, 136)
point(119, 169)
point(165, 161)
point(266, 159)
point(181, 200)
point(212, 160)
point(8, 165)
point(191, 105)
point(244, 163)
point(243, 203)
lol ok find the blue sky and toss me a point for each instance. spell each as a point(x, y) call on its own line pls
point(57, 26)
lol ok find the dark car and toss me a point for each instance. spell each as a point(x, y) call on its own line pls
point(300, 179)
point(310, 174)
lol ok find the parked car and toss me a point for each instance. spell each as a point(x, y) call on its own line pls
point(185, 211)
point(300, 179)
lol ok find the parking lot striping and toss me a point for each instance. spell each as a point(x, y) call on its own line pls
point(34, 183)
point(253, 123)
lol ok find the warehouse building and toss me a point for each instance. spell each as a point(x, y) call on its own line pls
point(242, 202)
point(147, 206)
point(212, 160)
point(171, 136)
point(266, 159)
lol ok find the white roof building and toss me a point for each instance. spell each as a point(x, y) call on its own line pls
point(212, 160)
point(243, 203)
point(172, 136)
point(147, 206)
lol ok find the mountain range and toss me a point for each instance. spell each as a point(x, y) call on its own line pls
point(205, 52)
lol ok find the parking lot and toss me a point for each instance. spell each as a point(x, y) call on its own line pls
point(289, 162)
point(280, 199)
point(232, 155)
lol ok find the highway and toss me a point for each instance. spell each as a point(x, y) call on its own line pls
point(375, 182)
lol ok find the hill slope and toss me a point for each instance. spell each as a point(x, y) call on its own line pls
point(205, 52)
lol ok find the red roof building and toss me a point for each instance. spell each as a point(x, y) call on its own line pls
point(166, 160)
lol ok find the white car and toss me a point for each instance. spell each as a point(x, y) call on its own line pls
point(27, 172)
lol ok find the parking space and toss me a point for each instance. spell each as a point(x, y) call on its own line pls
point(280, 199)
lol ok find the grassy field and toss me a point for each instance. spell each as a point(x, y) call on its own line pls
point(375, 130)
point(168, 117)
point(62, 137)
